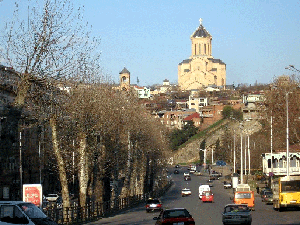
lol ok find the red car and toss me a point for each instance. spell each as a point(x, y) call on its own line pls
point(174, 216)
point(153, 205)
point(207, 196)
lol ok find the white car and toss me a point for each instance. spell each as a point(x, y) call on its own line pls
point(186, 174)
point(185, 192)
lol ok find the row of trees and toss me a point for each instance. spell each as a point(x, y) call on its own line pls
point(60, 84)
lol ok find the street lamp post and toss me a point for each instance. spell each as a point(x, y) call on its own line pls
point(234, 152)
point(241, 173)
point(287, 136)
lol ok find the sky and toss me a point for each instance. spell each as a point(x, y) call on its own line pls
point(256, 39)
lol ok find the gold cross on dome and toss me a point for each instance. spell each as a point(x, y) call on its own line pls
point(200, 20)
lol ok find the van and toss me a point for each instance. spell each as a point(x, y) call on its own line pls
point(19, 212)
point(244, 197)
point(203, 187)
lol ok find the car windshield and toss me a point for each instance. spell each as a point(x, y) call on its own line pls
point(242, 195)
point(238, 208)
point(32, 211)
point(176, 213)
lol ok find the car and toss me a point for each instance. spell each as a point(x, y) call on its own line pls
point(198, 173)
point(52, 197)
point(236, 214)
point(177, 166)
point(153, 205)
point(186, 174)
point(19, 212)
point(263, 190)
point(192, 171)
point(187, 178)
point(227, 185)
point(174, 216)
point(176, 171)
point(268, 197)
point(207, 196)
point(210, 183)
point(185, 192)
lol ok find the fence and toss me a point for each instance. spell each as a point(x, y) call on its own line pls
point(96, 210)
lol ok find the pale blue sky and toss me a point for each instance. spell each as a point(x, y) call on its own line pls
point(256, 39)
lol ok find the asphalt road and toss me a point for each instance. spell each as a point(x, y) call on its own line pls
point(203, 213)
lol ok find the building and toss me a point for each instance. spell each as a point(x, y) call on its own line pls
point(252, 106)
point(124, 80)
point(142, 92)
point(197, 103)
point(280, 163)
point(201, 69)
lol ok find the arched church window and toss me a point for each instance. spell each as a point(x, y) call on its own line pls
point(204, 48)
point(124, 79)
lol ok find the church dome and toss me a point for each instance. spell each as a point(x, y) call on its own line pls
point(201, 32)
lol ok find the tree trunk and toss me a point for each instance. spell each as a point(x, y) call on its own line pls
point(60, 163)
point(83, 170)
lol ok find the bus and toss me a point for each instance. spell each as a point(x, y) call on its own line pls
point(286, 192)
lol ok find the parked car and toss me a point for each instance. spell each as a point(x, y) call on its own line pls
point(153, 205)
point(227, 185)
point(52, 197)
point(207, 196)
point(187, 178)
point(19, 212)
point(174, 216)
point(177, 166)
point(176, 171)
point(185, 192)
point(237, 214)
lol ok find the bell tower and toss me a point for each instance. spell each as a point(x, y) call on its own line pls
point(201, 42)
point(124, 80)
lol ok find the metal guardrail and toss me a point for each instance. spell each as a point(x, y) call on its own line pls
point(93, 211)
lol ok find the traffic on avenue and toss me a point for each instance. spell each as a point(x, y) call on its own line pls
point(203, 212)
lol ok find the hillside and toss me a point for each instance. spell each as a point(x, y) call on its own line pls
point(189, 152)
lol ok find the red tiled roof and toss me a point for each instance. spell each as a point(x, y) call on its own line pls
point(192, 116)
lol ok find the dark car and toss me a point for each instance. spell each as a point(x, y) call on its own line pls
point(153, 205)
point(268, 197)
point(210, 183)
point(175, 216)
point(176, 171)
point(187, 178)
point(264, 190)
point(237, 214)
point(177, 166)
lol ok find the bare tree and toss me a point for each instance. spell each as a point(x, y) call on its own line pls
point(50, 43)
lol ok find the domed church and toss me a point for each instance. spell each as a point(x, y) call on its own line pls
point(201, 69)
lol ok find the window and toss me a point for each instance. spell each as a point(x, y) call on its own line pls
point(204, 48)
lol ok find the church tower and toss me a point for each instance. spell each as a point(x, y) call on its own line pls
point(124, 80)
point(201, 70)
point(201, 42)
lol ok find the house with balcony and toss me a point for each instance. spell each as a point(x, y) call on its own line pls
point(279, 161)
